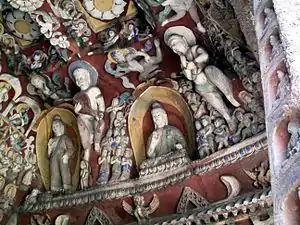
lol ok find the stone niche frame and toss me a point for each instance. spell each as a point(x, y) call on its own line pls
point(190, 196)
point(97, 215)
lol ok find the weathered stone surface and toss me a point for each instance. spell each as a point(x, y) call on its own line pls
point(243, 10)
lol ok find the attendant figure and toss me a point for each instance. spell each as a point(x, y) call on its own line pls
point(210, 82)
point(126, 164)
point(104, 162)
point(85, 179)
point(276, 46)
point(222, 133)
point(294, 143)
point(116, 165)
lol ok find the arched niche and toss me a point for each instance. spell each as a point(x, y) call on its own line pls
point(280, 141)
point(291, 206)
point(267, 49)
point(281, 137)
point(273, 82)
point(141, 108)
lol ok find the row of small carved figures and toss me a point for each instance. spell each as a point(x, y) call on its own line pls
point(284, 83)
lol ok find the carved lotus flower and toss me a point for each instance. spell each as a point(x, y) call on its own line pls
point(26, 5)
point(46, 29)
point(60, 40)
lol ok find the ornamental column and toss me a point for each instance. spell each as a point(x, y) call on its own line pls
point(277, 25)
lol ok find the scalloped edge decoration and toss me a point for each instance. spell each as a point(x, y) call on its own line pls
point(26, 5)
point(118, 7)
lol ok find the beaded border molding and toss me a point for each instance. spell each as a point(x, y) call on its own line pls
point(98, 194)
point(231, 155)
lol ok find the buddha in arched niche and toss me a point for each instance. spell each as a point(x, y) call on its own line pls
point(165, 139)
point(166, 145)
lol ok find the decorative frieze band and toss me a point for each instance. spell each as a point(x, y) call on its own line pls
point(228, 156)
point(246, 204)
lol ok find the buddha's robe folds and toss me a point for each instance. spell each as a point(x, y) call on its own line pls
point(59, 170)
point(169, 137)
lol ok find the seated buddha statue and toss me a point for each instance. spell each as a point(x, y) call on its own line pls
point(165, 144)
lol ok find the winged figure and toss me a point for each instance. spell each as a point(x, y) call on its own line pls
point(140, 211)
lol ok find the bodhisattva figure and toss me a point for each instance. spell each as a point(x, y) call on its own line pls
point(89, 106)
point(210, 82)
point(165, 139)
point(60, 151)
point(222, 133)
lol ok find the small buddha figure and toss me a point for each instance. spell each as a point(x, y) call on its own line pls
point(60, 151)
point(222, 133)
point(252, 104)
point(165, 138)
point(104, 162)
point(276, 45)
point(294, 143)
point(126, 164)
point(205, 140)
point(283, 87)
point(116, 165)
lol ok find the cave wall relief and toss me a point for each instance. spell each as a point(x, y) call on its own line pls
point(106, 99)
